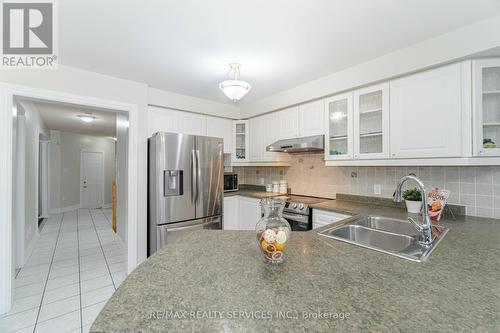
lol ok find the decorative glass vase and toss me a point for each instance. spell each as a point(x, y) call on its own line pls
point(273, 231)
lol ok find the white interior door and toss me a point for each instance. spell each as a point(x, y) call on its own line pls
point(91, 179)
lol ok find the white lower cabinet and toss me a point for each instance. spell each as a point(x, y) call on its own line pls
point(323, 217)
point(241, 213)
point(231, 218)
point(249, 213)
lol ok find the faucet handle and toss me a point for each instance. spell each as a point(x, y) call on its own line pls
point(417, 226)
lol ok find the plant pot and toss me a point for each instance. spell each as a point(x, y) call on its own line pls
point(413, 206)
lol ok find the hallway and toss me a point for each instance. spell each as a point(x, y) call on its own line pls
point(76, 265)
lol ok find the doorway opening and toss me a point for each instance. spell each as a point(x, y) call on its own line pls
point(69, 199)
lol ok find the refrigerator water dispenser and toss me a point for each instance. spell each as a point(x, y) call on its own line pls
point(172, 183)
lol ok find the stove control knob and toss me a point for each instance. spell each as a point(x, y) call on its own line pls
point(294, 205)
point(301, 206)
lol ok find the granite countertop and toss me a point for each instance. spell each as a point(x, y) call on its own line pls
point(221, 274)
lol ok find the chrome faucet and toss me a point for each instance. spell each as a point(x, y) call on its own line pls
point(426, 227)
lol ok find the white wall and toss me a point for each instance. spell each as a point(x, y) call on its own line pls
point(34, 127)
point(65, 172)
point(453, 46)
point(157, 97)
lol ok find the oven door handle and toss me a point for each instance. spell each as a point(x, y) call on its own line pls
point(296, 217)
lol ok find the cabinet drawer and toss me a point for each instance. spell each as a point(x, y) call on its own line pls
point(322, 218)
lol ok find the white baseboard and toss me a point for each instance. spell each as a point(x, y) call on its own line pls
point(30, 248)
point(123, 247)
point(107, 205)
point(64, 209)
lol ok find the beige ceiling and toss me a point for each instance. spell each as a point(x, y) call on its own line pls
point(64, 117)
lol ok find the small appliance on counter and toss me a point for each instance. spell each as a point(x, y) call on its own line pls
point(231, 182)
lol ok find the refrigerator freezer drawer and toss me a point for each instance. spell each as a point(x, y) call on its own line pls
point(170, 233)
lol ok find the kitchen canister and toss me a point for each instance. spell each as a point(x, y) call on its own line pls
point(283, 186)
point(276, 187)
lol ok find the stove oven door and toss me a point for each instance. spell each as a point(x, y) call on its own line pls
point(298, 222)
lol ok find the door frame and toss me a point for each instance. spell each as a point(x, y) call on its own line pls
point(7, 93)
point(102, 172)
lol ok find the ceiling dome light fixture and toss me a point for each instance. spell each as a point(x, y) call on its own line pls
point(235, 89)
point(87, 117)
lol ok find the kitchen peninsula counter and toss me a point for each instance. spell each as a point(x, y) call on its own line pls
point(215, 281)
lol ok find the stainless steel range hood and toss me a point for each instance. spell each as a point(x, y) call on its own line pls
point(299, 145)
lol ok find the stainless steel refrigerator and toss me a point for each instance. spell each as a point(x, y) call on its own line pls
point(185, 186)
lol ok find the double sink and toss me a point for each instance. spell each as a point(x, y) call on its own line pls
point(392, 236)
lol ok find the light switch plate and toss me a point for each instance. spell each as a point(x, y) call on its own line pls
point(377, 189)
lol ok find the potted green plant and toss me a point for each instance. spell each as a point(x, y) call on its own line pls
point(413, 199)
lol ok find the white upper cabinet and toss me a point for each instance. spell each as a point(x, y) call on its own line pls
point(429, 111)
point(270, 125)
point(371, 122)
point(311, 118)
point(263, 132)
point(241, 140)
point(256, 140)
point(300, 121)
point(339, 127)
point(192, 123)
point(221, 128)
point(486, 97)
point(162, 120)
point(288, 123)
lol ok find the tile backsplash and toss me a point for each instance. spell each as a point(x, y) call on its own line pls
point(477, 188)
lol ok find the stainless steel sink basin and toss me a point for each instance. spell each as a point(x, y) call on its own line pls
point(387, 235)
point(387, 224)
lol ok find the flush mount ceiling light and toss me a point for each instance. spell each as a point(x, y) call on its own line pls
point(87, 117)
point(235, 89)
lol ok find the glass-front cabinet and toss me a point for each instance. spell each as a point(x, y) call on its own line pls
point(240, 143)
point(371, 122)
point(486, 96)
point(339, 138)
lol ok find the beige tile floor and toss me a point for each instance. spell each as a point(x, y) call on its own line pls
point(76, 265)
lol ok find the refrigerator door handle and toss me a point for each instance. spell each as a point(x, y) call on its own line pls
point(194, 184)
point(198, 174)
